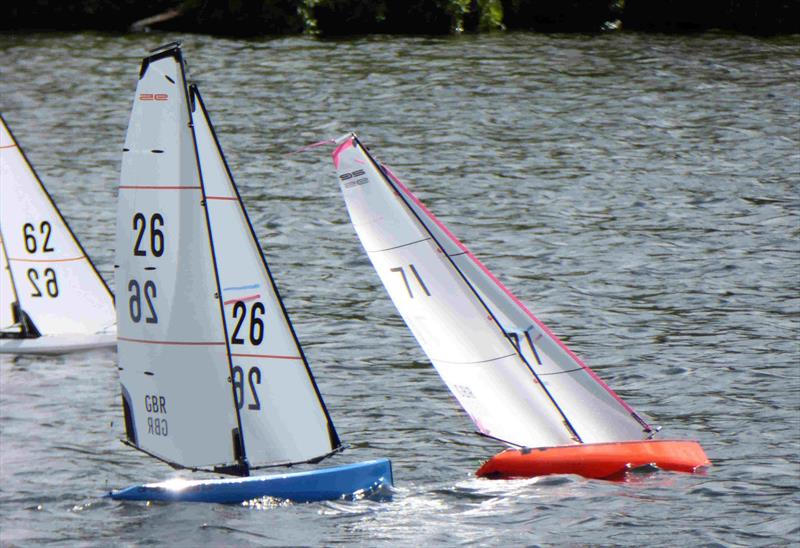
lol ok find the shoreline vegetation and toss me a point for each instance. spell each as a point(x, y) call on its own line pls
point(337, 18)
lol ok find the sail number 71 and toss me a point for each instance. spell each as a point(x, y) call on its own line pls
point(402, 271)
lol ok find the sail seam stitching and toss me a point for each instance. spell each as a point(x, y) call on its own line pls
point(399, 246)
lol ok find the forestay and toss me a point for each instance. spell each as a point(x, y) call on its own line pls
point(514, 378)
point(56, 284)
point(182, 392)
point(282, 415)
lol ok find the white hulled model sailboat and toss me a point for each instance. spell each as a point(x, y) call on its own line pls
point(213, 377)
point(52, 299)
point(518, 383)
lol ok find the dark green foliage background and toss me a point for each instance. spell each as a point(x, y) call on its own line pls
point(358, 17)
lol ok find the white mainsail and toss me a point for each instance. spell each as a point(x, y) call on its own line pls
point(182, 384)
point(282, 414)
point(514, 378)
point(56, 284)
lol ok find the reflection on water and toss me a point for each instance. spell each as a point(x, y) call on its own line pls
point(639, 192)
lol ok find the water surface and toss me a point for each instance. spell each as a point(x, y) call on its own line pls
point(639, 192)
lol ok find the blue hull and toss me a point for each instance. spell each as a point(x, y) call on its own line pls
point(309, 486)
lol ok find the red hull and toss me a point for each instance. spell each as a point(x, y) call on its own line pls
point(595, 460)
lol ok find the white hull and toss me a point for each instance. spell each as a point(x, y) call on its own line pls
point(58, 344)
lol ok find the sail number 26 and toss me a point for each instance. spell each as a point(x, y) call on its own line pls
point(145, 293)
point(256, 323)
point(253, 378)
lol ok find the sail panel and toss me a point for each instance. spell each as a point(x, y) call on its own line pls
point(593, 409)
point(173, 360)
point(57, 285)
point(461, 338)
point(282, 415)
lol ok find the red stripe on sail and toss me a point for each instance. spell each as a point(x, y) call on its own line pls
point(174, 343)
point(48, 260)
point(265, 356)
point(243, 299)
point(157, 187)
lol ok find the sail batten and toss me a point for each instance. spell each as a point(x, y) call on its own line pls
point(525, 399)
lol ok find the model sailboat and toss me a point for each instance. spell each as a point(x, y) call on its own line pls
point(518, 383)
point(213, 377)
point(53, 299)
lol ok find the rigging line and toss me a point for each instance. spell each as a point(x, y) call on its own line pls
point(8, 146)
point(333, 435)
point(177, 466)
point(312, 460)
point(225, 198)
point(404, 198)
point(501, 440)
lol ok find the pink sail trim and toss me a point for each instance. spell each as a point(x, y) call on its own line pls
point(505, 290)
point(341, 148)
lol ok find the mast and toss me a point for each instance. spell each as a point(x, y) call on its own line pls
point(240, 450)
point(18, 316)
